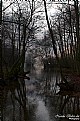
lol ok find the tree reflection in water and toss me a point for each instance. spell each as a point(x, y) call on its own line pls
point(15, 105)
point(63, 103)
point(19, 94)
point(1, 102)
point(70, 105)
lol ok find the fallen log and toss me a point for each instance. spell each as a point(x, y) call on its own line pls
point(64, 87)
point(73, 85)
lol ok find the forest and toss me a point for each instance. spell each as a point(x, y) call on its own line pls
point(39, 38)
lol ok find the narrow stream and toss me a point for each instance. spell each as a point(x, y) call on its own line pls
point(45, 111)
point(40, 102)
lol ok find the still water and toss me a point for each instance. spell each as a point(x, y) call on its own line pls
point(37, 99)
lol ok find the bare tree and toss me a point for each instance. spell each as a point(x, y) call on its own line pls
point(1, 74)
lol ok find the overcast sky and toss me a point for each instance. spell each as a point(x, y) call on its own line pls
point(51, 7)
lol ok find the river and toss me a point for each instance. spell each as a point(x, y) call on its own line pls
point(38, 100)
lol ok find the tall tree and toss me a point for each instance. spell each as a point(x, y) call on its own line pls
point(50, 30)
point(1, 39)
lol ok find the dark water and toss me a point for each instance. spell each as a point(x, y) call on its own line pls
point(37, 100)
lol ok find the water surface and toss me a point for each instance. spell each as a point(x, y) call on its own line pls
point(37, 100)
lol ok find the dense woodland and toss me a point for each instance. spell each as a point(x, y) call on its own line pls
point(50, 31)
point(30, 30)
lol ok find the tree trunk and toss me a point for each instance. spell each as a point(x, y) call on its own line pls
point(50, 30)
point(1, 74)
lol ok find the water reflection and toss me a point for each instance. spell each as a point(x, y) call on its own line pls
point(13, 102)
point(1, 102)
point(37, 99)
point(41, 112)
